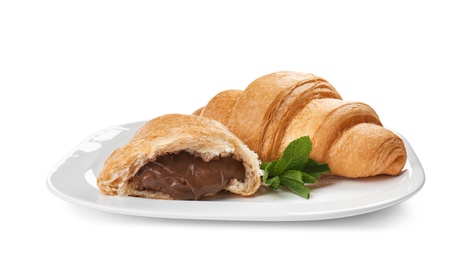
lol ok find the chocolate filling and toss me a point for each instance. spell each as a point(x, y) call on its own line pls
point(187, 177)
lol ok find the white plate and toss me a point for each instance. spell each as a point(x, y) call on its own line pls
point(74, 180)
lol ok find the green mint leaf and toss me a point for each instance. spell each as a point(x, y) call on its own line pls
point(265, 176)
point(307, 178)
point(314, 168)
point(273, 183)
point(295, 155)
point(269, 167)
point(264, 165)
point(293, 175)
point(268, 170)
point(296, 187)
point(268, 178)
point(294, 168)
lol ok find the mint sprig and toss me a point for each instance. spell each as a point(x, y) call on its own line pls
point(294, 168)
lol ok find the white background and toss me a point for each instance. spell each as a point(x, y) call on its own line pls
point(71, 68)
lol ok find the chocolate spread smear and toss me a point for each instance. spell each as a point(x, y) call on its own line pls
point(187, 177)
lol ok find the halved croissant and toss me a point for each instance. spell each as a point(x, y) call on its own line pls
point(279, 107)
point(166, 143)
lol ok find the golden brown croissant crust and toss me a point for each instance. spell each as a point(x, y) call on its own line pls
point(282, 106)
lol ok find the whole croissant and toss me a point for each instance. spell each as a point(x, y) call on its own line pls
point(279, 107)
